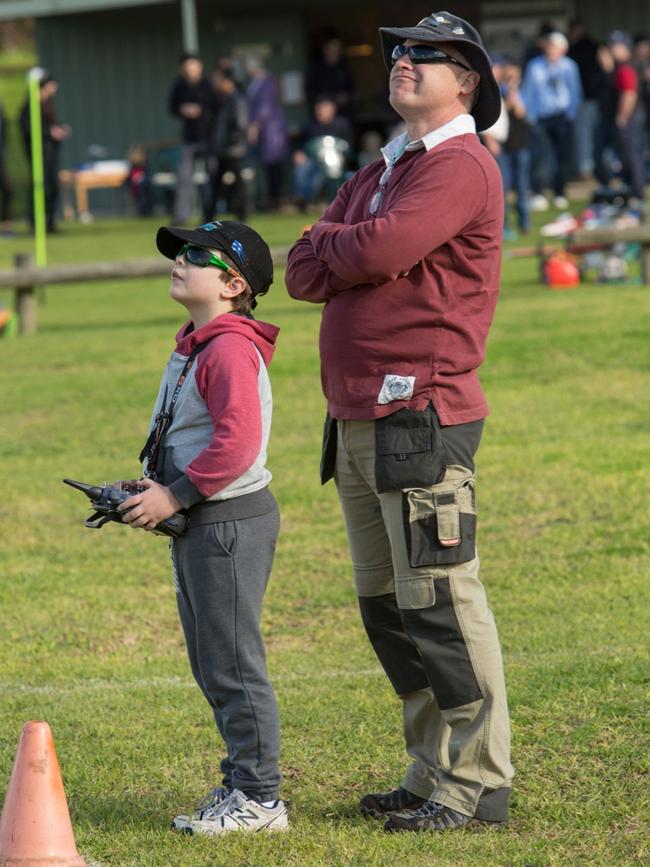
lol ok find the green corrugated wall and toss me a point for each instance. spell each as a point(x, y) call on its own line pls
point(116, 68)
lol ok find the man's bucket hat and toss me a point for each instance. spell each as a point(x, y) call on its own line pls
point(246, 248)
point(445, 27)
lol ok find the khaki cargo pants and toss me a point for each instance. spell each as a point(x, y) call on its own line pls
point(430, 626)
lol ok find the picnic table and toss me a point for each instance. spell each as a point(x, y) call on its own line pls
point(75, 184)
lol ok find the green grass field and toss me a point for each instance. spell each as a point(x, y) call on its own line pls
point(89, 638)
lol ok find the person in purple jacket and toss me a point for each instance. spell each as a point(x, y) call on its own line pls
point(407, 262)
point(268, 129)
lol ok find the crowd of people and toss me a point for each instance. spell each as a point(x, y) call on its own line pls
point(571, 108)
point(234, 128)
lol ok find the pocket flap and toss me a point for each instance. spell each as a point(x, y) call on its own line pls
point(405, 441)
point(448, 519)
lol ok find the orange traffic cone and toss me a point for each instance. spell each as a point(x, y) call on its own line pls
point(35, 827)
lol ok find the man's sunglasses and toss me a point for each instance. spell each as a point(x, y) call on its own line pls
point(423, 54)
point(201, 257)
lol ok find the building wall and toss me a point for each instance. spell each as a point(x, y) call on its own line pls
point(600, 16)
point(114, 70)
point(115, 67)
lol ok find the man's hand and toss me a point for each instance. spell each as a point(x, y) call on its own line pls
point(60, 131)
point(149, 508)
point(190, 110)
point(626, 105)
point(253, 134)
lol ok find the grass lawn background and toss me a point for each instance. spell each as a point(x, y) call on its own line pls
point(89, 638)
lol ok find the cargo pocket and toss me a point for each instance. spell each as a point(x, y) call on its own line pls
point(408, 450)
point(440, 522)
point(415, 592)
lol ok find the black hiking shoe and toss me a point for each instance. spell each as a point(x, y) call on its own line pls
point(433, 816)
point(382, 804)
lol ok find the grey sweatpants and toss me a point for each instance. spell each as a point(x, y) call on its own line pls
point(220, 574)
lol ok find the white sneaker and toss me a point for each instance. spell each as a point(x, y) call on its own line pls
point(239, 813)
point(561, 202)
point(538, 203)
point(205, 809)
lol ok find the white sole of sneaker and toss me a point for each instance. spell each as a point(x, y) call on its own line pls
point(179, 823)
point(212, 832)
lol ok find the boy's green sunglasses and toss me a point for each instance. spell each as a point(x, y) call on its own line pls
point(202, 258)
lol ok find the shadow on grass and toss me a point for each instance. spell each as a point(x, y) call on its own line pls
point(150, 813)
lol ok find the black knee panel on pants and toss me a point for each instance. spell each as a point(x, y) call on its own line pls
point(441, 643)
point(398, 655)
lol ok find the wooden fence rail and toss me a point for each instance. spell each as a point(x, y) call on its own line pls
point(25, 277)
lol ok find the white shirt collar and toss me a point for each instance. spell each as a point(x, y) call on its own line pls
point(459, 125)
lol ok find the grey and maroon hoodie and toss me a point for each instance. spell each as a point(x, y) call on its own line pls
point(215, 448)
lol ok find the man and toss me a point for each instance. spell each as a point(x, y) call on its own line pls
point(6, 189)
point(407, 261)
point(552, 94)
point(623, 116)
point(330, 75)
point(584, 51)
point(192, 100)
point(319, 164)
point(229, 146)
point(53, 134)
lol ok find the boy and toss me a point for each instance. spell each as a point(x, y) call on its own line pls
point(206, 454)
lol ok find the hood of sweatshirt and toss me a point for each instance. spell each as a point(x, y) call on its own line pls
point(262, 334)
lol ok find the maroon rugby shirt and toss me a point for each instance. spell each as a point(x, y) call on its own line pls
point(409, 294)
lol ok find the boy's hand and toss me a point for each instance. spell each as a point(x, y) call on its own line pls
point(149, 508)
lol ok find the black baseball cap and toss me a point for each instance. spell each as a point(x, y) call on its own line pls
point(248, 250)
point(445, 27)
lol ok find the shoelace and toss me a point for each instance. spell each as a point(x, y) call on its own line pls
point(212, 803)
point(429, 809)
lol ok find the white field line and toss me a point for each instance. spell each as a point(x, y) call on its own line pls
point(97, 684)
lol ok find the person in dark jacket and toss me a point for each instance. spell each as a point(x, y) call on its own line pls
point(192, 100)
point(53, 133)
point(228, 145)
point(623, 115)
point(6, 191)
point(584, 51)
point(330, 76)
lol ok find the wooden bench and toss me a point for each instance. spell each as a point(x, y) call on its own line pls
point(607, 236)
point(79, 182)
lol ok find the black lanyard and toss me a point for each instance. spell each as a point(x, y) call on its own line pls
point(153, 446)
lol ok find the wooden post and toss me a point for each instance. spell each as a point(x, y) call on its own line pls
point(25, 299)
